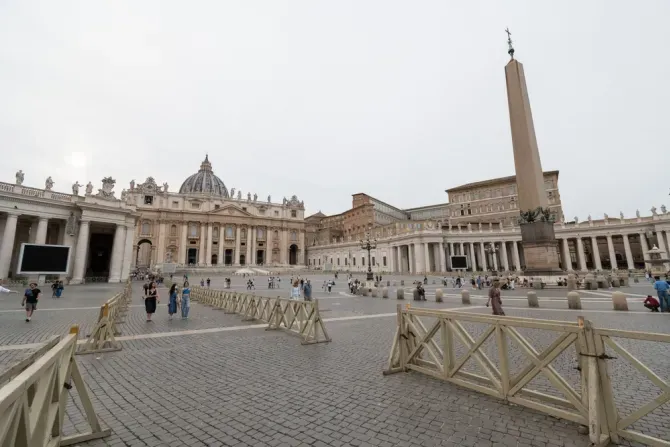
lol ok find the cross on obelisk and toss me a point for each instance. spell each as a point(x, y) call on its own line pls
point(510, 49)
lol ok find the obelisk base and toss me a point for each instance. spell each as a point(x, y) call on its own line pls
point(540, 249)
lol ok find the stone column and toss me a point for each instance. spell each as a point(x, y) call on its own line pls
point(505, 261)
point(596, 253)
point(567, 261)
point(69, 241)
point(462, 253)
point(473, 257)
point(250, 240)
point(117, 253)
point(482, 254)
point(494, 255)
point(208, 249)
point(268, 244)
point(183, 245)
point(222, 237)
point(661, 242)
point(283, 249)
point(81, 254)
point(41, 234)
point(7, 247)
point(426, 255)
point(610, 248)
point(202, 251)
point(629, 254)
point(443, 258)
point(451, 252)
point(645, 249)
point(127, 253)
point(301, 248)
point(515, 256)
point(580, 255)
point(410, 258)
point(162, 238)
point(238, 248)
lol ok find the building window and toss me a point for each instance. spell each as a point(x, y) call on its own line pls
point(146, 228)
point(373, 261)
point(216, 207)
point(362, 260)
point(294, 236)
point(175, 204)
point(244, 208)
point(193, 230)
point(338, 261)
point(173, 230)
point(345, 261)
point(195, 206)
point(294, 213)
point(276, 213)
point(229, 233)
point(243, 234)
point(260, 233)
point(384, 261)
point(261, 212)
point(276, 237)
point(148, 200)
point(354, 261)
point(215, 232)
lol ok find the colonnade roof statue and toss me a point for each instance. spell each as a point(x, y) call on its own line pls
point(204, 182)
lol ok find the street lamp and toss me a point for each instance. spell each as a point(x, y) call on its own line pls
point(369, 245)
point(491, 250)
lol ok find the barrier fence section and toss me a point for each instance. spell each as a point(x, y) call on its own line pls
point(103, 336)
point(425, 341)
point(33, 401)
point(296, 316)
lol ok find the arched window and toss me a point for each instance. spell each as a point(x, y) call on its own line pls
point(260, 233)
point(145, 228)
point(243, 233)
point(229, 232)
point(215, 232)
point(294, 236)
point(173, 230)
point(192, 230)
point(276, 235)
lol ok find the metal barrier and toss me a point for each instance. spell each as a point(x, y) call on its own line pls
point(103, 336)
point(592, 404)
point(296, 316)
point(33, 402)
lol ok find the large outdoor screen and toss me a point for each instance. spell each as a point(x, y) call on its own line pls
point(459, 262)
point(43, 259)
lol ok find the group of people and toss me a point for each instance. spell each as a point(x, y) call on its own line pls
point(177, 300)
point(301, 288)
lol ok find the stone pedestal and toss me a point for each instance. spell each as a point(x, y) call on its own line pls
point(438, 295)
point(532, 300)
point(385, 292)
point(540, 249)
point(574, 301)
point(619, 301)
point(572, 282)
point(465, 297)
point(400, 294)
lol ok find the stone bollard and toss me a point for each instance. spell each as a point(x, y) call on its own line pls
point(615, 281)
point(385, 292)
point(532, 300)
point(388, 283)
point(601, 281)
point(402, 282)
point(374, 292)
point(590, 282)
point(438, 295)
point(465, 296)
point(623, 280)
point(619, 301)
point(400, 294)
point(574, 301)
point(364, 291)
point(415, 295)
point(572, 282)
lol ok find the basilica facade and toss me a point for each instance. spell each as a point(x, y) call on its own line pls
point(202, 225)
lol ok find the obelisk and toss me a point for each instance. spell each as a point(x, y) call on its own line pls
point(540, 247)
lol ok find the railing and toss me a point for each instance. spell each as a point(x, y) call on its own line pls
point(33, 402)
point(296, 316)
point(587, 399)
point(105, 331)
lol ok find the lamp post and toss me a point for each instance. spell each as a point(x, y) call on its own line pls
point(492, 250)
point(369, 245)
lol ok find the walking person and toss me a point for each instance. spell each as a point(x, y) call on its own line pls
point(307, 291)
point(185, 300)
point(30, 299)
point(172, 301)
point(150, 301)
point(494, 298)
point(661, 287)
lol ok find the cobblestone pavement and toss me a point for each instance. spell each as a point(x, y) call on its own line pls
point(246, 386)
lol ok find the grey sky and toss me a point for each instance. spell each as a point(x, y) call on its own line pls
point(324, 99)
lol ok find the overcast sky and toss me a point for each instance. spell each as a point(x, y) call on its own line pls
point(324, 99)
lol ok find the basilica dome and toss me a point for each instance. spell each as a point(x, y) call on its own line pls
point(204, 182)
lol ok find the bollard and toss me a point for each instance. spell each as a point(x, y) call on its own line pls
point(402, 282)
point(601, 281)
point(532, 300)
point(572, 282)
point(615, 281)
point(374, 292)
point(465, 296)
point(385, 292)
point(400, 294)
point(574, 301)
point(438, 295)
point(619, 301)
point(415, 295)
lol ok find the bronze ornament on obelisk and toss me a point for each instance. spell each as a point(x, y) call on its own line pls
point(540, 247)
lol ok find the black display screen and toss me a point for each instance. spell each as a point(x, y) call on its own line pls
point(45, 259)
point(459, 262)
